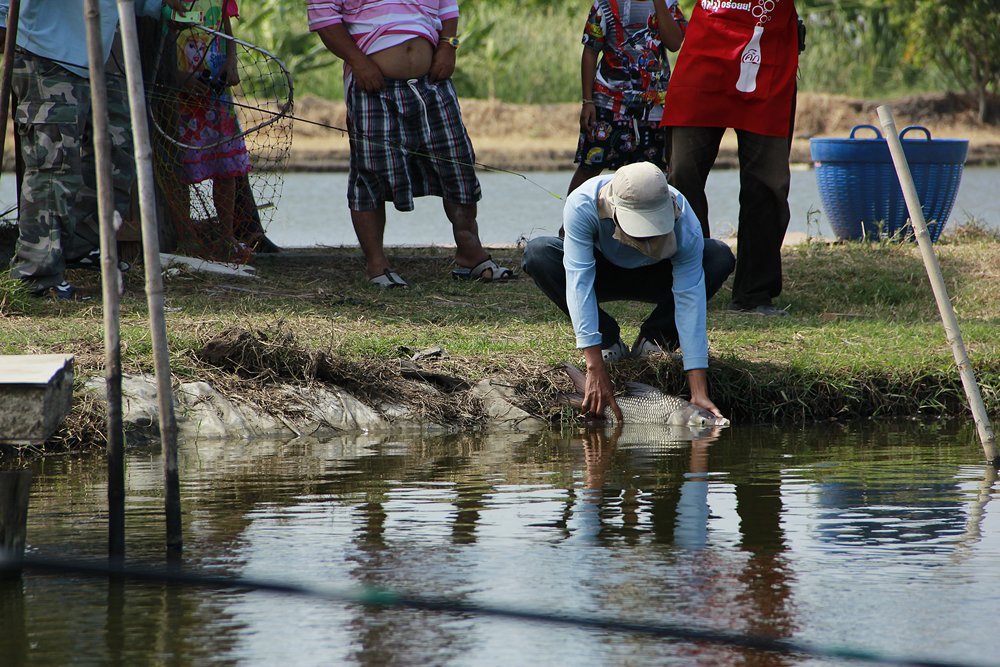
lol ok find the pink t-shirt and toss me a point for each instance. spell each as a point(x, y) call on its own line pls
point(376, 25)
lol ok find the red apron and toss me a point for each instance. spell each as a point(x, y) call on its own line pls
point(736, 68)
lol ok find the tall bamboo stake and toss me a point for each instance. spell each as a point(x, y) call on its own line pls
point(937, 284)
point(109, 281)
point(10, 42)
point(154, 272)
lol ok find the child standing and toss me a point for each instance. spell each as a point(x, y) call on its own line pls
point(207, 69)
point(624, 73)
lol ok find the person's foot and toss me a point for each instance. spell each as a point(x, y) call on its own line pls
point(765, 309)
point(388, 279)
point(616, 352)
point(265, 245)
point(92, 260)
point(645, 347)
point(63, 292)
point(486, 271)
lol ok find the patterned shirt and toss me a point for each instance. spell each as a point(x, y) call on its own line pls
point(376, 25)
point(633, 70)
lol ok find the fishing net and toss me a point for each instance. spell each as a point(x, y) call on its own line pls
point(220, 149)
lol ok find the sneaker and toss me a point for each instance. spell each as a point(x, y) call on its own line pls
point(646, 348)
point(63, 292)
point(766, 309)
point(92, 260)
point(616, 352)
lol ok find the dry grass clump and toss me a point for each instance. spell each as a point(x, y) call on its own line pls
point(84, 428)
point(251, 362)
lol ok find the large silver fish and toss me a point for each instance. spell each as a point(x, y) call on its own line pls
point(644, 404)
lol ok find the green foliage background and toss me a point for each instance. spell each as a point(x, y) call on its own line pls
point(529, 50)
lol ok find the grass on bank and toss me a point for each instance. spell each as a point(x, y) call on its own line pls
point(863, 340)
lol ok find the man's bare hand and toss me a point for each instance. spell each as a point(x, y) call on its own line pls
point(443, 65)
point(706, 403)
point(367, 74)
point(176, 5)
point(598, 392)
point(698, 383)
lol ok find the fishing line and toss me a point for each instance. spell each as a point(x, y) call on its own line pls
point(391, 144)
point(284, 112)
point(385, 598)
point(404, 149)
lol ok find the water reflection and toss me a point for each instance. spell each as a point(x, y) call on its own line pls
point(818, 535)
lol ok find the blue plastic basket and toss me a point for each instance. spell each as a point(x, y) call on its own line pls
point(860, 190)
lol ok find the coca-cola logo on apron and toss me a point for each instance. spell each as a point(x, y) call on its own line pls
point(759, 9)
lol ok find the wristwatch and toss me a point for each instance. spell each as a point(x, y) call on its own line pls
point(451, 41)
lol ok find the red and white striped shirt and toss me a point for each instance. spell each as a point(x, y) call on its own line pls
point(377, 25)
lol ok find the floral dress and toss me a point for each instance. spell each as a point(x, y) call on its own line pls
point(204, 122)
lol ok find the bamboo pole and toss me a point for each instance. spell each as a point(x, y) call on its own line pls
point(948, 317)
point(15, 492)
point(9, 44)
point(109, 281)
point(154, 272)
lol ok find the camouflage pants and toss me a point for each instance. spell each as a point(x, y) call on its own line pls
point(57, 220)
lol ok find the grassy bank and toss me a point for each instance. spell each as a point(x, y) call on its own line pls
point(863, 339)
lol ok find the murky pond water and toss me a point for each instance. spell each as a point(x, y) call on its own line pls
point(876, 537)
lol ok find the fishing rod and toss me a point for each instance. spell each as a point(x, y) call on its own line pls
point(164, 92)
point(371, 596)
point(285, 111)
point(391, 144)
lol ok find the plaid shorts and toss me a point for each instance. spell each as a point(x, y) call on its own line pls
point(614, 142)
point(408, 141)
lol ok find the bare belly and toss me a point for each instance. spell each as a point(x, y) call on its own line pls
point(409, 60)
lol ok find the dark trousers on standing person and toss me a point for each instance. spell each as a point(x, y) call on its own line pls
point(764, 214)
point(543, 261)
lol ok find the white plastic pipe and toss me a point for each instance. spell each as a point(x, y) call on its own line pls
point(937, 284)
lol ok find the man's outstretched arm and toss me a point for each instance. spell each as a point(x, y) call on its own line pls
point(698, 384)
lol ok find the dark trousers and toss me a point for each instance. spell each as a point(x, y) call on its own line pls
point(764, 215)
point(543, 261)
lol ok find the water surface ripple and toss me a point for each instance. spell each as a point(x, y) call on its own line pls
point(878, 537)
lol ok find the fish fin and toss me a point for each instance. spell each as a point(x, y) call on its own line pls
point(640, 388)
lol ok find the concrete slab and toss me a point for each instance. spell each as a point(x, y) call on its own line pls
point(36, 392)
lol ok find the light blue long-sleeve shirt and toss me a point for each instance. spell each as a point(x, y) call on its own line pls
point(587, 232)
point(55, 29)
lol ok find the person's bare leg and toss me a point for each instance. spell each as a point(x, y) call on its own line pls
point(224, 198)
point(468, 249)
point(369, 226)
point(582, 173)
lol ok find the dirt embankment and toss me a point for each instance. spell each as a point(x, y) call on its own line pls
point(544, 136)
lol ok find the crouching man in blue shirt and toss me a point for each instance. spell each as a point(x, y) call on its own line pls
point(630, 236)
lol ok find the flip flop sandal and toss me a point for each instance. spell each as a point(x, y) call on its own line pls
point(388, 280)
point(500, 273)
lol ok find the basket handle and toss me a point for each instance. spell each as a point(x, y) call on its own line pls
point(878, 135)
point(919, 128)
